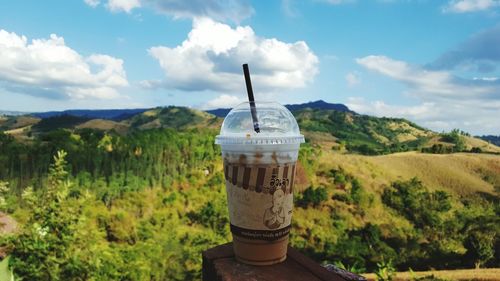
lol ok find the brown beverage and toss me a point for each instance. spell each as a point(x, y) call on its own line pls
point(259, 170)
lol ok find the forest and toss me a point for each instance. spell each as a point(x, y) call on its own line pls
point(97, 205)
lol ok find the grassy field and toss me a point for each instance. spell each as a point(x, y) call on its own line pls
point(458, 173)
point(488, 274)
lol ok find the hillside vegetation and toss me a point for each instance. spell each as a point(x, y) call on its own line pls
point(141, 198)
point(174, 117)
point(457, 173)
point(370, 135)
point(341, 130)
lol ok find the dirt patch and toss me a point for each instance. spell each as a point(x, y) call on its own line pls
point(8, 225)
point(301, 180)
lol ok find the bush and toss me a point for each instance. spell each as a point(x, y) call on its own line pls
point(455, 137)
point(385, 271)
point(313, 196)
point(438, 149)
point(412, 200)
point(476, 150)
point(212, 215)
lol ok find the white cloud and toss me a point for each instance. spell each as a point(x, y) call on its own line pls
point(446, 101)
point(223, 101)
point(475, 117)
point(288, 8)
point(423, 82)
point(49, 68)
point(352, 79)
point(466, 6)
point(486, 78)
point(123, 5)
point(92, 3)
point(212, 55)
point(234, 10)
point(480, 52)
point(380, 108)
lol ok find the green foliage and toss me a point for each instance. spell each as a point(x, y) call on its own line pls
point(482, 237)
point(481, 247)
point(169, 117)
point(355, 193)
point(308, 155)
point(58, 122)
point(4, 191)
point(78, 237)
point(476, 150)
point(385, 271)
point(418, 205)
point(361, 133)
point(213, 216)
point(455, 137)
point(43, 249)
point(355, 268)
point(141, 159)
point(143, 207)
point(447, 234)
point(313, 197)
point(438, 149)
point(364, 246)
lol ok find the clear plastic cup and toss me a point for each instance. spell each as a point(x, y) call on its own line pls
point(260, 169)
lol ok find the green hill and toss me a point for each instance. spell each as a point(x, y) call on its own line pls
point(362, 133)
point(338, 130)
point(140, 199)
point(174, 117)
point(370, 135)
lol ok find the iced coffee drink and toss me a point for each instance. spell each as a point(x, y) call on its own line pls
point(259, 169)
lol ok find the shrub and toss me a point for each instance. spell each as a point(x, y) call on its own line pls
point(476, 150)
point(313, 196)
point(385, 271)
point(412, 200)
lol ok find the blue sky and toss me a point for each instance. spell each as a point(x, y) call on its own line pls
point(434, 62)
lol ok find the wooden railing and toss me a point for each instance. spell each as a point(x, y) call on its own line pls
point(219, 264)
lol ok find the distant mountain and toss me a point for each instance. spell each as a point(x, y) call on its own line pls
point(319, 104)
point(219, 112)
point(122, 114)
point(332, 126)
point(111, 114)
point(12, 113)
point(491, 138)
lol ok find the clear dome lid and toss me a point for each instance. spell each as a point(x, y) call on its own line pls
point(277, 125)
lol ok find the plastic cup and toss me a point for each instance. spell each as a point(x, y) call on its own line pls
point(259, 169)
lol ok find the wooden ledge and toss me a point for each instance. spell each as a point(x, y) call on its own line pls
point(219, 264)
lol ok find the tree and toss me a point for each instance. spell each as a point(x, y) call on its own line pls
point(482, 234)
point(41, 251)
point(313, 196)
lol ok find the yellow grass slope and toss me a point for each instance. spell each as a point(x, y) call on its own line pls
point(484, 274)
point(104, 125)
point(459, 173)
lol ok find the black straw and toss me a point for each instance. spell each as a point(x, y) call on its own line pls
point(251, 99)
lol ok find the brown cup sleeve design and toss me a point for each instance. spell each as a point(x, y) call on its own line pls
point(261, 178)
